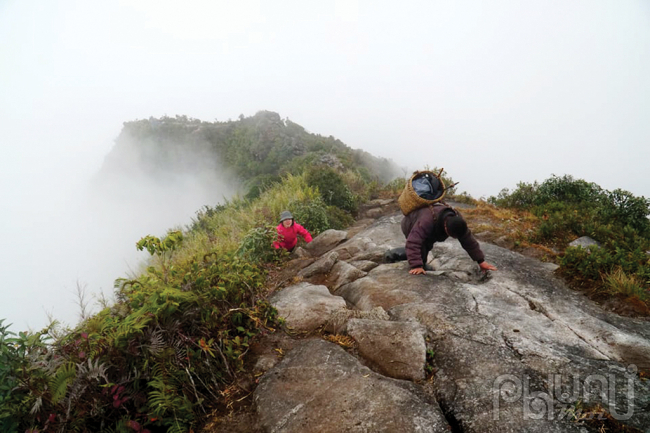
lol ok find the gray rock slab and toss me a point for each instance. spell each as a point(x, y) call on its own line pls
point(321, 266)
point(448, 256)
point(385, 231)
point(481, 388)
point(501, 342)
point(353, 247)
point(371, 253)
point(306, 307)
point(338, 321)
point(300, 253)
point(608, 335)
point(379, 291)
point(319, 387)
point(359, 226)
point(325, 241)
point(440, 319)
point(373, 213)
point(395, 349)
point(364, 265)
point(344, 273)
point(389, 285)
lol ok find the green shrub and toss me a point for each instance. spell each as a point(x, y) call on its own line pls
point(24, 378)
point(312, 215)
point(332, 188)
point(569, 208)
point(566, 189)
point(257, 245)
point(396, 186)
point(623, 208)
point(177, 334)
point(203, 215)
point(589, 263)
point(521, 198)
point(463, 197)
point(563, 189)
point(594, 263)
point(13, 388)
point(260, 184)
point(575, 207)
point(338, 219)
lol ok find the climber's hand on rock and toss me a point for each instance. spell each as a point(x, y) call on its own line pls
point(417, 271)
point(485, 266)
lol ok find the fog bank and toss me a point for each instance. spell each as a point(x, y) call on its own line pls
point(69, 226)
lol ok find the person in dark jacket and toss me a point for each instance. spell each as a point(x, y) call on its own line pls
point(425, 226)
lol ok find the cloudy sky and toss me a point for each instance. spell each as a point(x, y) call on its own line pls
point(496, 92)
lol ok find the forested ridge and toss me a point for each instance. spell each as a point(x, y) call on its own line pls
point(256, 150)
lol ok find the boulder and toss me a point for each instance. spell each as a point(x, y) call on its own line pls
point(338, 320)
point(343, 273)
point(306, 307)
point(386, 231)
point(373, 213)
point(325, 241)
point(359, 226)
point(395, 349)
point(300, 252)
point(481, 388)
point(377, 208)
point(364, 265)
point(379, 289)
point(350, 249)
point(584, 242)
point(372, 253)
point(320, 266)
point(319, 387)
point(448, 257)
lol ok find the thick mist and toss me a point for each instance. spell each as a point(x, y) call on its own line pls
point(80, 229)
point(496, 93)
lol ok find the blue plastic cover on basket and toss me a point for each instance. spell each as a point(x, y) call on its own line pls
point(427, 187)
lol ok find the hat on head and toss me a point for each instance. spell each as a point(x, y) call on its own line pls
point(285, 215)
point(456, 226)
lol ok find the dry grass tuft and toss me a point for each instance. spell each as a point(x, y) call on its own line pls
point(510, 228)
point(342, 340)
point(625, 284)
point(599, 419)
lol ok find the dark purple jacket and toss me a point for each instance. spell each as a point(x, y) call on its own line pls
point(422, 230)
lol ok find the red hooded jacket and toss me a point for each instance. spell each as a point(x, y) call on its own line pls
point(288, 237)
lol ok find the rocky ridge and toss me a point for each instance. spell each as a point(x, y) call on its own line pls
point(452, 350)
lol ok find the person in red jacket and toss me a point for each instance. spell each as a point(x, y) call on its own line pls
point(288, 231)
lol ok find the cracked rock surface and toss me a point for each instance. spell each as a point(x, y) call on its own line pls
point(319, 387)
point(515, 352)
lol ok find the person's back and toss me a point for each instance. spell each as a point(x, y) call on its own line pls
point(428, 216)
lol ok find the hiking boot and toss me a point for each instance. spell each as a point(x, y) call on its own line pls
point(395, 255)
